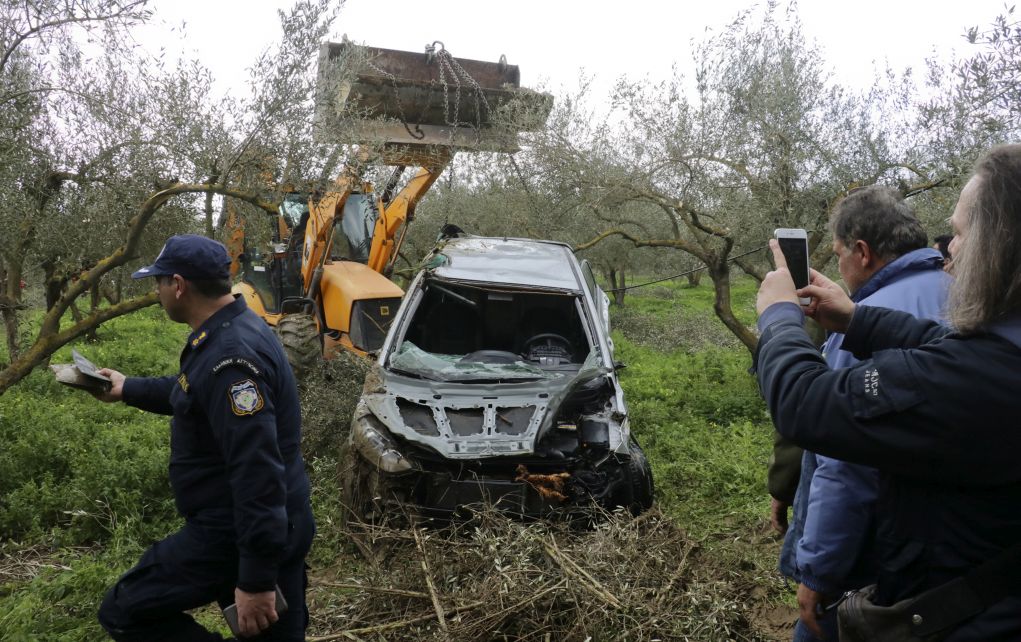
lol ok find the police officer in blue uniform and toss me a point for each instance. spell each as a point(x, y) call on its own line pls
point(235, 467)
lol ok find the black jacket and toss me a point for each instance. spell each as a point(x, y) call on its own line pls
point(937, 414)
point(235, 435)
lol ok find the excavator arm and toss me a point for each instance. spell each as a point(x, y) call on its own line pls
point(323, 213)
point(401, 209)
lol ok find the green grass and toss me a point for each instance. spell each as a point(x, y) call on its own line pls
point(662, 299)
point(672, 315)
point(706, 431)
point(83, 484)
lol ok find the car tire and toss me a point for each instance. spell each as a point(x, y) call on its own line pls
point(641, 489)
point(303, 344)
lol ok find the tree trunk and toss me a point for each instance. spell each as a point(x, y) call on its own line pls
point(10, 315)
point(10, 300)
point(751, 269)
point(720, 275)
point(112, 295)
point(611, 276)
point(76, 314)
point(209, 208)
point(618, 295)
point(53, 284)
point(95, 296)
point(694, 278)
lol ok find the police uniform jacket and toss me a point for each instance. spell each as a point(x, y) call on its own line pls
point(936, 413)
point(235, 435)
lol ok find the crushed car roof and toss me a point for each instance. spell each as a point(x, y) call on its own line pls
point(543, 264)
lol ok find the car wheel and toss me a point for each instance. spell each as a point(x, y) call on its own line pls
point(640, 484)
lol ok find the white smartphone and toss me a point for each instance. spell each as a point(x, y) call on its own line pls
point(794, 245)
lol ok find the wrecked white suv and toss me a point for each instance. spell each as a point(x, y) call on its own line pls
point(496, 384)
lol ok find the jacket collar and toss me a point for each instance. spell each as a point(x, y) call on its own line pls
point(1008, 328)
point(925, 258)
point(220, 318)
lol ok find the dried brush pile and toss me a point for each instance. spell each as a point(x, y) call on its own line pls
point(493, 578)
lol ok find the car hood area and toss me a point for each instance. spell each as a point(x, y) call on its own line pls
point(471, 420)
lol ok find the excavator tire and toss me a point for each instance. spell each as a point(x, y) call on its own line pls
point(302, 342)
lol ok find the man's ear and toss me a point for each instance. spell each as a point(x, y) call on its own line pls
point(866, 256)
point(180, 286)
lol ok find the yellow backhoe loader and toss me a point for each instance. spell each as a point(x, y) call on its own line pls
point(324, 282)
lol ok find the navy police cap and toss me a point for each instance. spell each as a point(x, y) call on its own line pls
point(190, 255)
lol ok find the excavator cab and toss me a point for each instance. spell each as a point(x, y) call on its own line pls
point(324, 284)
point(275, 272)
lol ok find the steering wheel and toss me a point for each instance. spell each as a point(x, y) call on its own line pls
point(490, 356)
point(549, 339)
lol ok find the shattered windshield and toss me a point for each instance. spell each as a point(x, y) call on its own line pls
point(410, 359)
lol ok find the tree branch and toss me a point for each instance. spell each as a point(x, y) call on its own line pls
point(128, 251)
point(45, 346)
point(53, 24)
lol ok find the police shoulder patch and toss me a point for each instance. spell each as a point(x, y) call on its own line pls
point(245, 398)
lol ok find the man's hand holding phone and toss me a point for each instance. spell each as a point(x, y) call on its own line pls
point(828, 304)
point(794, 245)
point(778, 285)
point(116, 391)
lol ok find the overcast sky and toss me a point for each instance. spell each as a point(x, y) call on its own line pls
point(552, 39)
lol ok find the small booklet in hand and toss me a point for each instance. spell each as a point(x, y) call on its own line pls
point(82, 374)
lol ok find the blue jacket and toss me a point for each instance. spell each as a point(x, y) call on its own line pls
point(936, 413)
point(235, 440)
point(830, 544)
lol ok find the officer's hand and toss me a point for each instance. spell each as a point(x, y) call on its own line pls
point(116, 392)
point(830, 306)
point(808, 602)
point(778, 515)
point(256, 611)
point(778, 285)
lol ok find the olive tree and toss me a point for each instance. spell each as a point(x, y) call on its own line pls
point(762, 138)
point(119, 150)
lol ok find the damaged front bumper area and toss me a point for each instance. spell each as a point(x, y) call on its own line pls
point(574, 469)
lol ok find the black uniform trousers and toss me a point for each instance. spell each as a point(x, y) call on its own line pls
point(193, 567)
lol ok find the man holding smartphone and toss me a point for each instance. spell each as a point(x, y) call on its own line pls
point(828, 549)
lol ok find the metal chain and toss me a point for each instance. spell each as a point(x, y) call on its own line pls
point(418, 134)
point(450, 71)
point(479, 95)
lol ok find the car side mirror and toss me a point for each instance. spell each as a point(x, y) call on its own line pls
point(619, 365)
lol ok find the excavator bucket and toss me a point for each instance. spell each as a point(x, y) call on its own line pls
point(370, 95)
